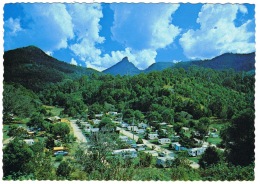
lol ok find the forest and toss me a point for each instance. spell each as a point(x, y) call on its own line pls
point(193, 97)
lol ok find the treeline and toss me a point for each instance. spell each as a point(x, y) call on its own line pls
point(199, 92)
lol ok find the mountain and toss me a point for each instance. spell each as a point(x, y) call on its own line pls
point(159, 66)
point(123, 67)
point(238, 62)
point(33, 68)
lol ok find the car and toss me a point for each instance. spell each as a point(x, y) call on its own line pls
point(63, 153)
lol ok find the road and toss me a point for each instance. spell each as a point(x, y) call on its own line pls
point(151, 145)
point(77, 132)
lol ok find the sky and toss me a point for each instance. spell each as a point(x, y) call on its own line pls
point(100, 35)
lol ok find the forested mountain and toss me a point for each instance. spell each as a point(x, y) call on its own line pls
point(123, 67)
point(238, 62)
point(158, 66)
point(33, 68)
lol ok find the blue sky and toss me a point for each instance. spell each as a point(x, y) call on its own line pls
point(100, 35)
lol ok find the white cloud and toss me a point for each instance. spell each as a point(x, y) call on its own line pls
point(73, 62)
point(51, 23)
point(144, 26)
point(218, 33)
point(13, 26)
point(49, 53)
point(48, 26)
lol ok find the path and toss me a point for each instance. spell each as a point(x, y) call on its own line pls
point(77, 132)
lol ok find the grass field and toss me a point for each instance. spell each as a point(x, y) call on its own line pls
point(55, 111)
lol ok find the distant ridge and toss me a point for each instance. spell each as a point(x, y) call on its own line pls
point(124, 67)
point(238, 62)
point(159, 66)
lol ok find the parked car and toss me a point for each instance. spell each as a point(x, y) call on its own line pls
point(63, 153)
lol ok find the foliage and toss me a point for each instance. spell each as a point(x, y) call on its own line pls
point(64, 169)
point(60, 129)
point(239, 139)
point(139, 141)
point(210, 157)
point(226, 172)
point(17, 154)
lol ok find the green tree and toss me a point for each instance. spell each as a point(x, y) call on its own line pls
point(61, 129)
point(210, 157)
point(16, 156)
point(16, 131)
point(145, 159)
point(139, 141)
point(64, 170)
point(239, 139)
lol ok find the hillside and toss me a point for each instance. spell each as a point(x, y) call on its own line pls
point(33, 68)
point(238, 62)
point(158, 66)
point(123, 67)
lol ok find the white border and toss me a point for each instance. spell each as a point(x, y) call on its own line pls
point(257, 170)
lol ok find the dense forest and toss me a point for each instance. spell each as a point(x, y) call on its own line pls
point(190, 97)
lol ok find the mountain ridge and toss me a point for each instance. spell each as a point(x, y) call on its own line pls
point(33, 68)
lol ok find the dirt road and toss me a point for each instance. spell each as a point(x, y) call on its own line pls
point(77, 132)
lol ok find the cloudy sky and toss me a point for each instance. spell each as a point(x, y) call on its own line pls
point(100, 35)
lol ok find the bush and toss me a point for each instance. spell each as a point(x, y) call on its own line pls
point(59, 158)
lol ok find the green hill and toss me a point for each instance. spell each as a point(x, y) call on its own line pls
point(32, 68)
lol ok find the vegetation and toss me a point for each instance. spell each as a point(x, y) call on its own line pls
point(194, 98)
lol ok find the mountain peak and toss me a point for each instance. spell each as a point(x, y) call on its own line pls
point(124, 67)
point(125, 59)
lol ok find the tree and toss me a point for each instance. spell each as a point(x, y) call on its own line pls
point(139, 141)
point(17, 131)
point(64, 169)
point(61, 129)
point(107, 125)
point(16, 156)
point(145, 159)
point(37, 121)
point(210, 157)
point(239, 139)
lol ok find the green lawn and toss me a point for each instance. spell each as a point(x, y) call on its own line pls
point(212, 140)
point(194, 159)
point(55, 111)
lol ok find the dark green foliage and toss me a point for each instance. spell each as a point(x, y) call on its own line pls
point(64, 169)
point(224, 172)
point(210, 157)
point(34, 69)
point(60, 129)
point(139, 141)
point(145, 159)
point(17, 154)
point(239, 139)
point(17, 131)
point(19, 101)
point(37, 121)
